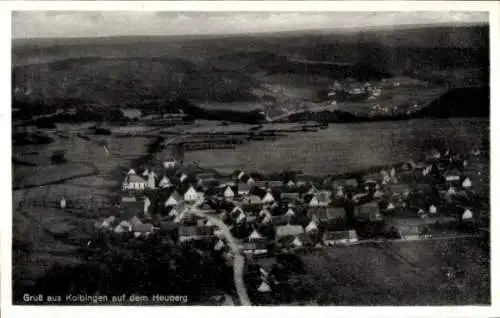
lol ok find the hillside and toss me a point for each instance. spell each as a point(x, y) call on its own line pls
point(120, 81)
point(460, 102)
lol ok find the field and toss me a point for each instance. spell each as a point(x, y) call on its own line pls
point(346, 147)
point(398, 274)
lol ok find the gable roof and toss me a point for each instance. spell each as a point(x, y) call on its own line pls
point(129, 209)
point(325, 213)
point(133, 178)
point(196, 230)
point(288, 230)
point(142, 227)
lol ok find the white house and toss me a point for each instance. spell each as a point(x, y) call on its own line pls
point(466, 183)
point(290, 212)
point(228, 193)
point(147, 204)
point(268, 198)
point(191, 195)
point(264, 287)
point(145, 173)
point(390, 206)
point(255, 235)
point(432, 209)
point(290, 184)
point(152, 180)
point(314, 202)
point(219, 245)
point(165, 182)
point(183, 177)
point(250, 181)
point(62, 203)
point(134, 182)
point(240, 175)
point(173, 199)
point(467, 215)
point(131, 171)
point(241, 217)
point(169, 163)
point(312, 226)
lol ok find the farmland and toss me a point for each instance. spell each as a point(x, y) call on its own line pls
point(345, 147)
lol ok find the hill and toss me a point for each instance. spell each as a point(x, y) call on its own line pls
point(129, 81)
point(460, 102)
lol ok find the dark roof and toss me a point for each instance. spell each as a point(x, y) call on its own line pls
point(335, 235)
point(326, 213)
point(196, 231)
point(256, 244)
point(131, 208)
point(169, 226)
point(142, 227)
point(280, 220)
point(269, 183)
point(244, 187)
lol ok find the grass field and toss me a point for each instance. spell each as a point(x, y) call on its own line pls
point(404, 273)
point(346, 147)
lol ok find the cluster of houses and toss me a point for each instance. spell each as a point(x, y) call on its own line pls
point(287, 214)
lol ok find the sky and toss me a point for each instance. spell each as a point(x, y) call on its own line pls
point(32, 24)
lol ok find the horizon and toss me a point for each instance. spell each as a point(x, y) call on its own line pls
point(51, 25)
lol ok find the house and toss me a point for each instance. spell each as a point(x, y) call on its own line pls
point(130, 209)
point(290, 212)
point(290, 184)
point(467, 215)
point(128, 199)
point(62, 203)
point(325, 213)
point(170, 163)
point(134, 182)
point(241, 218)
point(297, 241)
point(173, 199)
point(401, 190)
point(228, 193)
point(269, 184)
point(165, 182)
point(241, 175)
point(312, 190)
point(169, 227)
point(264, 287)
point(191, 195)
point(124, 226)
point(368, 212)
point(312, 226)
point(320, 199)
point(183, 177)
point(252, 200)
point(331, 238)
point(288, 230)
point(452, 175)
point(250, 181)
point(268, 198)
point(410, 229)
point(256, 246)
point(219, 245)
point(432, 209)
point(466, 183)
point(254, 235)
point(142, 229)
point(244, 188)
point(189, 233)
point(107, 222)
point(291, 196)
point(353, 183)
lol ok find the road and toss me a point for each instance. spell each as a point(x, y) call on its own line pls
point(239, 260)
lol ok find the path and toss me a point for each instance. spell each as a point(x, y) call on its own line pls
point(239, 260)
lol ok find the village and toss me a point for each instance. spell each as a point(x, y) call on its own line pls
point(433, 198)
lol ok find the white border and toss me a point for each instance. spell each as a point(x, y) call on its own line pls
point(5, 173)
